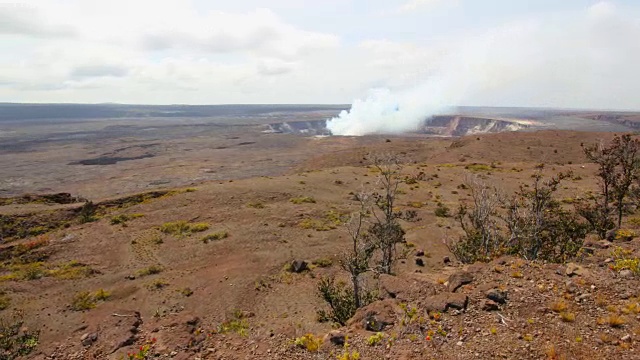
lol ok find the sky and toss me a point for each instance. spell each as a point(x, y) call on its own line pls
point(568, 54)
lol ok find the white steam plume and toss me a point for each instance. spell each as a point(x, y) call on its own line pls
point(579, 59)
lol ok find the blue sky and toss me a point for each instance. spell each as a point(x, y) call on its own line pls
point(569, 53)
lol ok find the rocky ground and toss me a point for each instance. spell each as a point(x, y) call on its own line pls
point(217, 272)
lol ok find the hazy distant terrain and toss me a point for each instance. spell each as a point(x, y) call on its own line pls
point(106, 149)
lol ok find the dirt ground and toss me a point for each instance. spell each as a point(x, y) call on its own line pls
point(175, 292)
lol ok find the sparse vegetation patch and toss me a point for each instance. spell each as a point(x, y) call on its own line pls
point(303, 200)
point(183, 228)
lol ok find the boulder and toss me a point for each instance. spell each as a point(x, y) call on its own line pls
point(571, 287)
point(489, 305)
point(445, 301)
point(88, 339)
point(626, 274)
point(335, 338)
point(497, 295)
point(393, 286)
point(458, 279)
point(419, 262)
point(376, 316)
point(575, 270)
point(298, 266)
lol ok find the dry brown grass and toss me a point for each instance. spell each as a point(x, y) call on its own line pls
point(558, 306)
point(567, 316)
point(616, 321)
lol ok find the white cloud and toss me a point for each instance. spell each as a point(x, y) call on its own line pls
point(27, 21)
point(176, 51)
point(260, 31)
point(275, 67)
point(415, 5)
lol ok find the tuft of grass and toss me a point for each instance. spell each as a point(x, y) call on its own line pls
point(183, 228)
point(215, 236)
point(303, 200)
point(632, 307)
point(559, 306)
point(186, 292)
point(176, 228)
point(157, 284)
point(71, 270)
point(151, 270)
point(317, 225)
point(122, 219)
point(375, 339)
point(32, 271)
point(623, 260)
point(237, 324)
point(322, 262)
point(442, 210)
point(198, 227)
point(478, 167)
point(83, 301)
point(416, 204)
point(625, 234)
point(101, 295)
point(635, 221)
point(256, 205)
point(615, 321)
point(567, 316)
point(5, 301)
point(308, 342)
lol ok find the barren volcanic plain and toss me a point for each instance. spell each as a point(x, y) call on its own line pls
point(199, 211)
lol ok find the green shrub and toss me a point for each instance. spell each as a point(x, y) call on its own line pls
point(15, 340)
point(88, 212)
point(340, 299)
point(442, 211)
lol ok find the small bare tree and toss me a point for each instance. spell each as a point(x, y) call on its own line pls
point(535, 224)
point(626, 150)
point(357, 261)
point(481, 239)
point(386, 230)
point(618, 169)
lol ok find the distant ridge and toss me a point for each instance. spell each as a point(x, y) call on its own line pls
point(37, 111)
